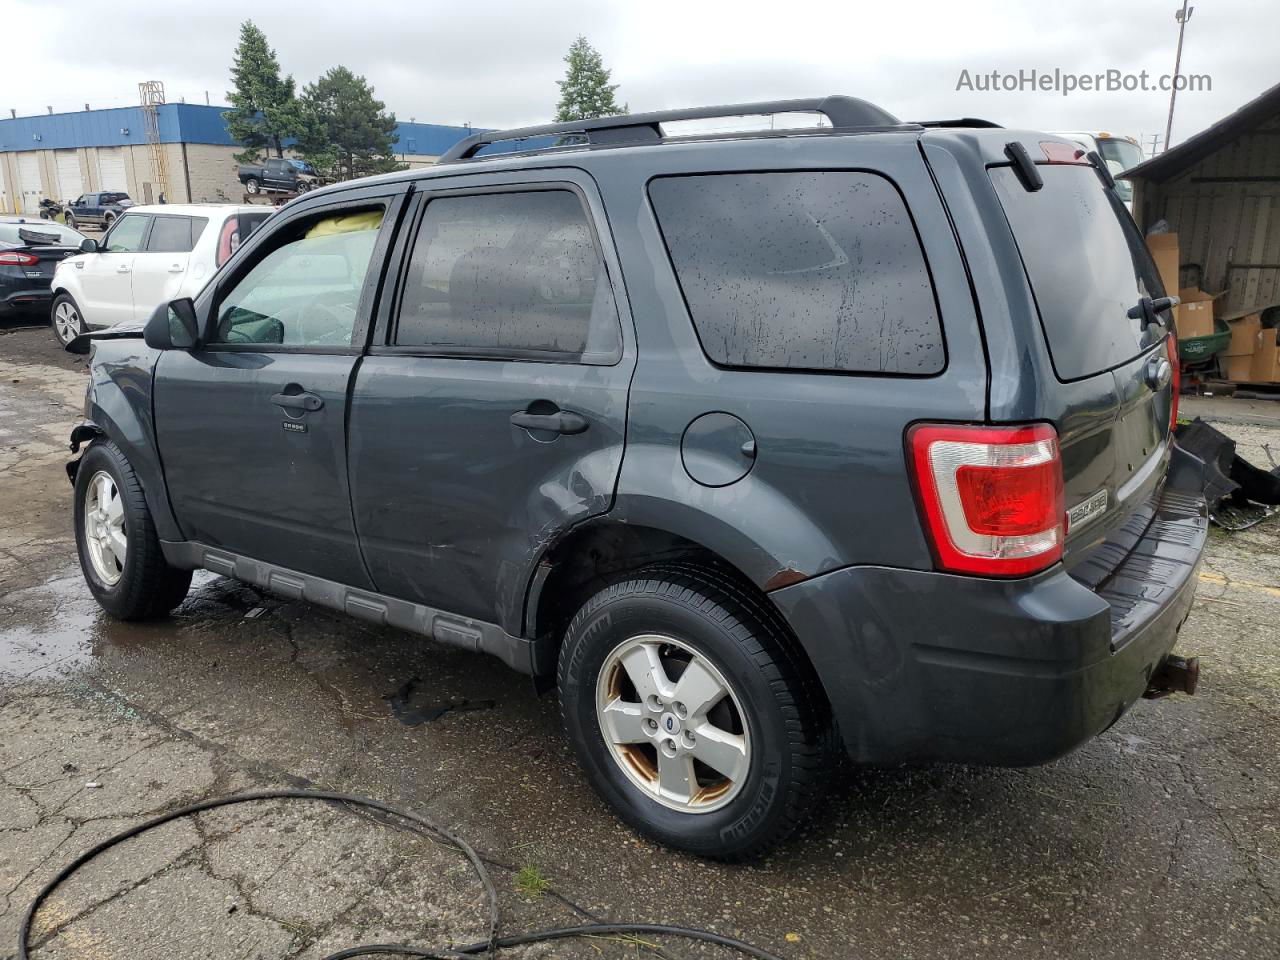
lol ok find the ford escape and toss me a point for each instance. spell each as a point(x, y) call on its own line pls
point(755, 445)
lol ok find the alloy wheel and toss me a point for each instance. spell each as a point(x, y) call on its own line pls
point(104, 533)
point(66, 322)
point(673, 724)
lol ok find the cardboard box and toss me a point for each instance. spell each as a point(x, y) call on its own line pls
point(1244, 336)
point(1195, 319)
point(1237, 369)
point(1164, 251)
point(1265, 362)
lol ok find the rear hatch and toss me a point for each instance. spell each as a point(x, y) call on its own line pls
point(1088, 267)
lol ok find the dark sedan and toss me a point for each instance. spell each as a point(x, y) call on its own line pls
point(30, 250)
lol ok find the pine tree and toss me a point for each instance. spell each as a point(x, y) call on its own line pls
point(345, 129)
point(264, 111)
point(585, 91)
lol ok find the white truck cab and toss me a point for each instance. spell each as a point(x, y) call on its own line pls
point(149, 256)
point(1120, 153)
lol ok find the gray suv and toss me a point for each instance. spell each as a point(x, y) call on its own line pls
point(755, 446)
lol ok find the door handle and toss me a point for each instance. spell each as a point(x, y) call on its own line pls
point(122, 269)
point(563, 421)
point(175, 268)
point(297, 401)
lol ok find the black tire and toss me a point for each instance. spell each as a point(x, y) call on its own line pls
point(741, 635)
point(148, 587)
point(65, 304)
point(107, 221)
point(70, 220)
point(252, 186)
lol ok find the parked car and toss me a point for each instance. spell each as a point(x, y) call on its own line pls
point(150, 256)
point(30, 250)
point(100, 209)
point(277, 173)
point(873, 446)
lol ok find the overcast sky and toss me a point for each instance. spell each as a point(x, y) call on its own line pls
point(496, 63)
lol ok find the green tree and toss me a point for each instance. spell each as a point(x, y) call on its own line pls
point(585, 91)
point(346, 131)
point(264, 110)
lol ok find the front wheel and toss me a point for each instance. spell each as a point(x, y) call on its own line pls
point(691, 712)
point(252, 186)
point(66, 319)
point(119, 551)
point(70, 220)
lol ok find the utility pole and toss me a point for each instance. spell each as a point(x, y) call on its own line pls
point(1182, 16)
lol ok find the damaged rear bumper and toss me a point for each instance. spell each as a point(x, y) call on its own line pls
point(925, 666)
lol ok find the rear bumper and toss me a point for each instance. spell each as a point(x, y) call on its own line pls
point(16, 298)
point(924, 666)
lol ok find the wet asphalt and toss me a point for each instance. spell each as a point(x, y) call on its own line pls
point(1160, 839)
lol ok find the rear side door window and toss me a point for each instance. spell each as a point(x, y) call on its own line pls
point(175, 234)
point(512, 274)
point(817, 270)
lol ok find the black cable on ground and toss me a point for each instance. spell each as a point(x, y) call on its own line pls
point(488, 946)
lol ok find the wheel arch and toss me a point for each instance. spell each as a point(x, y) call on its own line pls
point(118, 408)
point(596, 552)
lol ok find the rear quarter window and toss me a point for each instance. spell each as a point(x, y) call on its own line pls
point(1087, 265)
point(817, 270)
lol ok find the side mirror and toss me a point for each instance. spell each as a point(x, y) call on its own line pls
point(88, 245)
point(173, 326)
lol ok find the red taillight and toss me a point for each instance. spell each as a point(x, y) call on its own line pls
point(1175, 381)
point(228, 241)
point(991, 496)
point(16, 259)
point(1057, 152)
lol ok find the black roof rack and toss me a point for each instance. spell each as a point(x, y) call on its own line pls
point(843, 112)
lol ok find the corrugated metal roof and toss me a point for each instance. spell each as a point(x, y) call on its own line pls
point(1190, 152)
point(179, 123)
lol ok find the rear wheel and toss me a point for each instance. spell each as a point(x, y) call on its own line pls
point(119, 551)
point(691, 713)
point(65, 318)
point(252, 186)
point(108, 220)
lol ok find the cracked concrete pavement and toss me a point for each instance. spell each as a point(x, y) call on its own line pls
point(1161, 838)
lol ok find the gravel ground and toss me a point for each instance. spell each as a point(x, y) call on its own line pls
point(1161, 838)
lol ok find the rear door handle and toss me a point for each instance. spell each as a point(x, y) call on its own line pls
point(297, 401)
point(563, 421)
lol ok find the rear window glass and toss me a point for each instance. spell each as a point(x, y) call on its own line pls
point(1087, 264)
point(813, 270)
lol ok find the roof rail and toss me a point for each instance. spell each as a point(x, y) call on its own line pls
point(843, 112)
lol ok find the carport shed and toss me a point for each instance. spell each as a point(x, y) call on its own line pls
point(1220, 192)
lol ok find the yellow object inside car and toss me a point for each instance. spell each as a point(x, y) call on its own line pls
point(347, 223)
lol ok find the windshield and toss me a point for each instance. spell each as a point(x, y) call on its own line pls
point(9, 233)
point(1120, 156)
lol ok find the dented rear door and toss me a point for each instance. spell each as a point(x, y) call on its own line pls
point(490, 413)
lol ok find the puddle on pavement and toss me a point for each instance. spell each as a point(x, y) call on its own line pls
point(58, 627)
